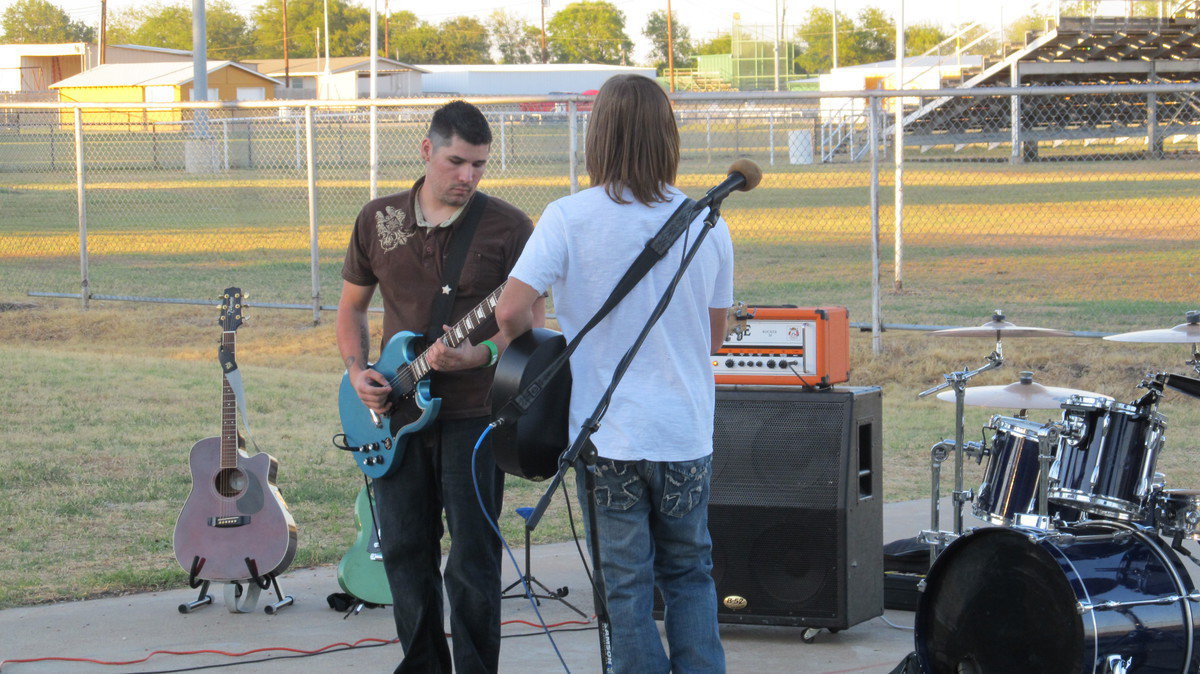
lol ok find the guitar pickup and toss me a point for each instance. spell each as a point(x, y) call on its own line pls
point(230, 521)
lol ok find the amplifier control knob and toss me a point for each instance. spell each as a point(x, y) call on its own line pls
point(771, 364)
point(741, 363)
point(729, 363)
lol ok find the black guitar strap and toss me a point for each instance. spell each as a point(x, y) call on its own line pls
point(656, 248)
point(456, 257)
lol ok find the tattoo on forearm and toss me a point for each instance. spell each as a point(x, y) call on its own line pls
point(364, 346)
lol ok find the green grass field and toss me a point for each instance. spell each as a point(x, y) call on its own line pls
point(98, 409)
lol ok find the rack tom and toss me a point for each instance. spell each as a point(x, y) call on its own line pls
point(1106, 457)
point(1010, 483)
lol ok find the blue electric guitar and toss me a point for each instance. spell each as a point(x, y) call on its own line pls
point(377, 441)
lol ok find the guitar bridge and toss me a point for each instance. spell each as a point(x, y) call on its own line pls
point(229, 521)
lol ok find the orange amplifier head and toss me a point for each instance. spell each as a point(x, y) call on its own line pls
point(791, 346)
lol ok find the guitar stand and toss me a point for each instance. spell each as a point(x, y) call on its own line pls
point(238, 599)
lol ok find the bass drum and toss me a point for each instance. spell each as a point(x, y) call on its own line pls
point(1097, 597)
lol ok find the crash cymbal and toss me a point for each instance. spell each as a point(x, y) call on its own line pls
point(1184, 333)
point(1022, 395)
point(998, 328)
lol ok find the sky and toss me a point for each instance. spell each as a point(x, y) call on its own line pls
point(703, 18)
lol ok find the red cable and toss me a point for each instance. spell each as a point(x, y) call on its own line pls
point(565, 622)
point(202, 652)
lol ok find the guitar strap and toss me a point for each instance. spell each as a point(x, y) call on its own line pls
point(234, 377)
point(656, 248)
point(456, 257)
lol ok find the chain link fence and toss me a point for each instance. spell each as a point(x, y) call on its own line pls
point(1070, 207)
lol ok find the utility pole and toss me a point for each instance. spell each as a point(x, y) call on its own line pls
point(777, 29)
point(835, 65)
point(103, 30)
point(287, 71)
point(387, 19)
point(670, 48)
point(544, 3)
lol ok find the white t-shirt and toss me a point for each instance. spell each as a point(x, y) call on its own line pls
point(663, 408)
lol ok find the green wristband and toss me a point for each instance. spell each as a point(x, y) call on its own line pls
point(491, 347)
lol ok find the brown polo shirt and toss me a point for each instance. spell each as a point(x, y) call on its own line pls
point(388, 249)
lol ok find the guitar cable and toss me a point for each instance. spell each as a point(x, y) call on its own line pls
point(496, 529)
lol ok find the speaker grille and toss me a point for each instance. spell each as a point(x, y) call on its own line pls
point(768, 557)
point(780, 451)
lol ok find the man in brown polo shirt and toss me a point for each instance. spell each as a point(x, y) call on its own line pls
point(400, 244)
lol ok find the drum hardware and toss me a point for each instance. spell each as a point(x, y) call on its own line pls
point(1083, 607)
point(1117, 665)
point(958, 381)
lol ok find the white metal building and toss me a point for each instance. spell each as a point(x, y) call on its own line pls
point(343, 77)
point(521, 80)
point(34, 67)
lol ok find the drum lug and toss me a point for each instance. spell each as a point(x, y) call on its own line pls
point(1118, 665)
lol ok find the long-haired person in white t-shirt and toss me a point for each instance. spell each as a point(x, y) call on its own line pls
point(652, 477)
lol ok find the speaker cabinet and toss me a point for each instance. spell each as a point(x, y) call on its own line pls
point(796, 513)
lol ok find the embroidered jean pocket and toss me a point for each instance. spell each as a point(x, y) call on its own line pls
point(618, 486)
point(684, 486)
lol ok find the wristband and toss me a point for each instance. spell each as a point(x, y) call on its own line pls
point(495, 353)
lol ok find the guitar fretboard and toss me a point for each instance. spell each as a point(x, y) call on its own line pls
point(458, 333)
point(229, 435)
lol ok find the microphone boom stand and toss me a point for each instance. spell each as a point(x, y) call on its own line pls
point(582, 453)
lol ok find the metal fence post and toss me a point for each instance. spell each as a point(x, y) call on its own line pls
point(503, 142)
point(1014, 118)
point(771, 142)
point(374, 169)
point(708, 137)
point(876, 317)
point(85, 292)
point(299, 147)
point(225, 140)
point(53, 129)
point(573, 132)
point(313, 245)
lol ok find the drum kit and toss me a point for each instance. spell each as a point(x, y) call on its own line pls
point(1081, 570)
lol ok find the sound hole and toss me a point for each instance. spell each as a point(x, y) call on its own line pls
point(230, 482)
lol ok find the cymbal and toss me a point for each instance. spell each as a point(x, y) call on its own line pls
point(1184, 333)
point(997, 329)
point(1023, 395)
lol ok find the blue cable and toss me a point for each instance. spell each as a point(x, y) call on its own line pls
point(495, 528)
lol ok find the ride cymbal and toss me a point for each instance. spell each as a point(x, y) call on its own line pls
point(998, 328)
point(1184, 333)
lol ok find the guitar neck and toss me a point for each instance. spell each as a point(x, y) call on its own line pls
point(229, 434)
point(458, 333)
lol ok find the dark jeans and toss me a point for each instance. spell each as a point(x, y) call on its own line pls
point(435, 475)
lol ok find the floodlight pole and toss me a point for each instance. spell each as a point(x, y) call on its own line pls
point(670, 48)
point(898, 153)
point(199, 67)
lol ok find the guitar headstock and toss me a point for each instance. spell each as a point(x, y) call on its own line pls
point(232, 309)
point(735, 321)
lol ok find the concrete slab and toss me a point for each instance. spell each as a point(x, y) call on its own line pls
point(130, 628)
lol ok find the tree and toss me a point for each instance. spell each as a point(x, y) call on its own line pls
point(170, 25)
point(721, 43)
point(656, 30)
point(515, 40)
point(814, 39)
point(591, 31)
point(463, 40)
point(349, 28)
point(41, 22)
point(874, 37)
point(920, 38)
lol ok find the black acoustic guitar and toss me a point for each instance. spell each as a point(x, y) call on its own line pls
point(529, 446)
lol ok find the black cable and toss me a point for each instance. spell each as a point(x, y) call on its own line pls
point(340, 649)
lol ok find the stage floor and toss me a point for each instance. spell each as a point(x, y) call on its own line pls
point(131, 627)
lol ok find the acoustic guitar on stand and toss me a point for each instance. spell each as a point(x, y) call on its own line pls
point(235, 525)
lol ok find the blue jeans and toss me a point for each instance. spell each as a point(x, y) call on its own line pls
point(435, 476)
point(652, 520)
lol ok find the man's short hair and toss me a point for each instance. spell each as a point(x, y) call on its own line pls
point(459, 118)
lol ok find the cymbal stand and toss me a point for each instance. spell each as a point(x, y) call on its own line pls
point(958, 381)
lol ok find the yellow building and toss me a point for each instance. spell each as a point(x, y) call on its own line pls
point(158, 82)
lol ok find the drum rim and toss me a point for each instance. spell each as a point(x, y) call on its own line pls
point(1035, 429)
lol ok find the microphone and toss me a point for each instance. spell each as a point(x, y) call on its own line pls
point(744, 175)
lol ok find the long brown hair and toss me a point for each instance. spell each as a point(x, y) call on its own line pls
point(632, 140)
